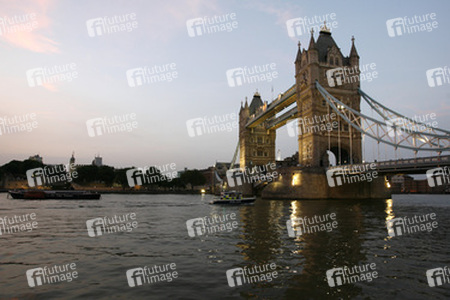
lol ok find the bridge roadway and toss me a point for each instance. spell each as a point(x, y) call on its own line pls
point(401, 166)
point(275, 107)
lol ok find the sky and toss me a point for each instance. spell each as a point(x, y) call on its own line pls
point(100, 73)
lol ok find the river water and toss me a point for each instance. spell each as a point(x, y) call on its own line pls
point(258, 237)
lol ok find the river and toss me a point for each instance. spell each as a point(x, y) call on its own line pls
point(252, 235)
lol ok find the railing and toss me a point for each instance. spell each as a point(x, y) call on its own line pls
point(407, 163)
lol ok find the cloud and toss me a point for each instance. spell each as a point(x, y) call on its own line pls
point(26, 24)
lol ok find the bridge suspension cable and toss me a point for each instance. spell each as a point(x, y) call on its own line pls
point(395, 130)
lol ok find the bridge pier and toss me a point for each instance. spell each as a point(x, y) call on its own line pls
point(297, 183)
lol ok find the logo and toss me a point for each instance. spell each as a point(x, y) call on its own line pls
point(345, 275)
point(438, 76)
point(10, 225)
point(410, 25)
point(51, 175)
point(149, 275)
point(254, 274)
point(438, 276)
point(394, 126)
point(48, 275)
point(238, 176)
point(405, 225)
point(18, 23)
point(306, 225)
point(348, 75)
point(209, 25)
point(249, 75)
point(151, 175)
point(209, 125)
point(357, 173)
point(111, 125)
point(211, 225)
point(49, 75)
point(313, 124)
point(16, 124)
point(147, 75)
point(110, 25)
point(108, 225)
point(299, 26)
point(438, 176)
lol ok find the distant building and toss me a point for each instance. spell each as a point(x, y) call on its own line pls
point(37, 157)
point(98, 161)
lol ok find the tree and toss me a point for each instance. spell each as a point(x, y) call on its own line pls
point(194, 177)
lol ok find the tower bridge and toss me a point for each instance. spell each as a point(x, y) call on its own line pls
point(322, 88)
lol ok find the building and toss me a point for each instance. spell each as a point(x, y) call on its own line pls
point(98, 161)
point(257, 145)
point(312, 65)
point(37, 158)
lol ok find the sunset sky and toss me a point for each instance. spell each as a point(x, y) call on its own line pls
point(66, 37)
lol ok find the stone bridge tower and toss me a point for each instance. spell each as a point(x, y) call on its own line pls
point(342, 81)
point(257, 145)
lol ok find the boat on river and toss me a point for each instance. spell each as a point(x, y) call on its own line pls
point(54, 194)
point(232, 197)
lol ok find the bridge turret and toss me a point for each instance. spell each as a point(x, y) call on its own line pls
point(257, 144)
point(354, 57)
point(323, 58)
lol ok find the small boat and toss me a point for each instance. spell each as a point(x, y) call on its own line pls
point(232, 197)
point(49, 194)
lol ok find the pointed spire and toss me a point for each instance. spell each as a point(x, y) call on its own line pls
point(353, 51)
point(246, 103)
point(299, 52)
point(312, 43)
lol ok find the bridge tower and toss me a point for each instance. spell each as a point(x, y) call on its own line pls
point(342, 81)
point(257, 145)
